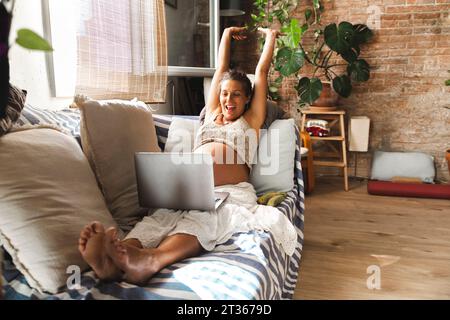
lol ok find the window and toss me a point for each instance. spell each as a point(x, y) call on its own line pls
point(192, 37)
point(108, 49)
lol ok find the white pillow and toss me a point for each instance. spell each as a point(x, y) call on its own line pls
point(181, 135)
point(387, 165)
point(274, 168)
point(47, 194)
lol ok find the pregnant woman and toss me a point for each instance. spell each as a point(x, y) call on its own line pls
point(234, 115)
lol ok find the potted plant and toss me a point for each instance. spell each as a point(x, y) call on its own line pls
point(334, 54)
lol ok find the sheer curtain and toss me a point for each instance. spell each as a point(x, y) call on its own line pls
point(122, 50)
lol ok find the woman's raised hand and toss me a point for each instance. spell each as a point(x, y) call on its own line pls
point(269, 32)
point(237, 33)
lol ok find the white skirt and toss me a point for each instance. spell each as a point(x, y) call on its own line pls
point(239, 213)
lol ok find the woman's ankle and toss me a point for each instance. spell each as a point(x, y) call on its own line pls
point(133, 242)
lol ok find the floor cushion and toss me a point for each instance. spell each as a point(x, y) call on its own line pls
point(386, 188)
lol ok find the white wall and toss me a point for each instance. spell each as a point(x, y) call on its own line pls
point(28, 67)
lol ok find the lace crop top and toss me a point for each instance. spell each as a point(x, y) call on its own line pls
point(238, 135)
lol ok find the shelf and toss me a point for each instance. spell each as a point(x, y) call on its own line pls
point(333, 138)
point(336, 112)
point(329, 164)
point(323, 154)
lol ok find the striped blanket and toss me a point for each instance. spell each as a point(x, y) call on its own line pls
point(248, 266)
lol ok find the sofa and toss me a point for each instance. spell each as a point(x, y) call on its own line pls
point(248, 266)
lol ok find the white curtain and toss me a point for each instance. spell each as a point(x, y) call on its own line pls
point(122, 50)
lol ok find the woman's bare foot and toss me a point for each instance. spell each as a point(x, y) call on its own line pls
point(138, 265)
point(92, 247)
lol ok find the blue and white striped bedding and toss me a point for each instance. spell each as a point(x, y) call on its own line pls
point(249, 266)
point(68, 119)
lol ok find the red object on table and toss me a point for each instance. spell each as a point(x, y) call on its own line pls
point(387, 188)
point(317, 132)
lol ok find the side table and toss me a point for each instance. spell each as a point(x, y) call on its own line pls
point(335, 121)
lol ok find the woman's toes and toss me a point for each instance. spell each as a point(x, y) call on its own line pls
point(120, 248)
point(86, 231)
point(83, 240)
point(82, 246)
point(85, 234)
point(111, 234)
point(97, 227)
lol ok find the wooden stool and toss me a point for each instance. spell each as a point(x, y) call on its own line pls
point(336, 119)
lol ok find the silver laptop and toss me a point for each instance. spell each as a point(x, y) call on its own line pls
point(177, 181)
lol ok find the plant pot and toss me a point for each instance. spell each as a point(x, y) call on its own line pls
point(327, 100)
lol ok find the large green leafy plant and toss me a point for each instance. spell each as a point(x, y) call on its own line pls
point(25, 38)
point(333, 50)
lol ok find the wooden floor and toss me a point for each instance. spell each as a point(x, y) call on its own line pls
point(406, 239)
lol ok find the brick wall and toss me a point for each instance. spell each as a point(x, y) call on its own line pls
point(405, 97)
point(245, 54)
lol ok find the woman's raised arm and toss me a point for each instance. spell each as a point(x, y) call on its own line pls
point(223, 64)
point(256, 114)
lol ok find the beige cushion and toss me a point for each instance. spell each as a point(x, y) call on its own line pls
point(111, 132)
point(47, 194)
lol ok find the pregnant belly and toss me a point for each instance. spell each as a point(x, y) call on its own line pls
point(228, 167)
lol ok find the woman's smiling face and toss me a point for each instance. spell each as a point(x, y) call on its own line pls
point(232, 99)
